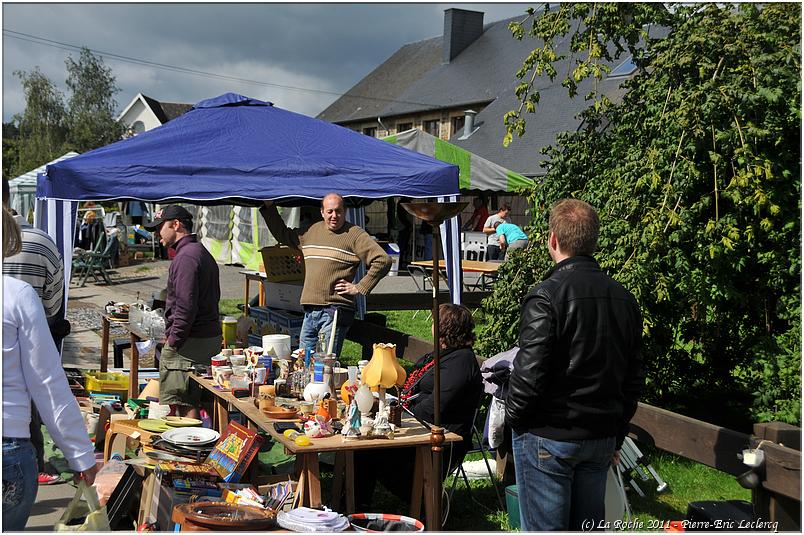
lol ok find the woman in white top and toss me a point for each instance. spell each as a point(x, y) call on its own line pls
point(32, 370)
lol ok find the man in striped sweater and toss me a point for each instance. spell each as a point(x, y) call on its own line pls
point(333, 250)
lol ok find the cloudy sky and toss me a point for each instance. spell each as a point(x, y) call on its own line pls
point(287, 48)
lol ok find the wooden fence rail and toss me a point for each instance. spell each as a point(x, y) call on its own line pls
point(777, 499)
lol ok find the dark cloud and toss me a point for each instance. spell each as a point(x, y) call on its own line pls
point(327, 47)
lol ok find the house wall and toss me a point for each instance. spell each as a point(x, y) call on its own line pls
point(140, 112)
point(394, 125)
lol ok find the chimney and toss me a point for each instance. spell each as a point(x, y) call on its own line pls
point(461, 28)
point(468, 124)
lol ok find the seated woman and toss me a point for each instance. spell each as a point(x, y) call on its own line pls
point(461, 390)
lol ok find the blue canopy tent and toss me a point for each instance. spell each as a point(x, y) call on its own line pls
point(233, 149)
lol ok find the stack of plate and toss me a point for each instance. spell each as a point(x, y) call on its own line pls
point(191, 436)
point(191, 443)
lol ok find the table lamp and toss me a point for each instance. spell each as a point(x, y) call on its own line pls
point(435, 213)
point(383, 371)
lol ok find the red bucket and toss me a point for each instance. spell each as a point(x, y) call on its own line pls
point(375, 522)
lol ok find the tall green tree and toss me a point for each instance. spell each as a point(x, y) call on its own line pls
point(91, 109)
point(42, 124)
point(11, 154)
point(696, 175)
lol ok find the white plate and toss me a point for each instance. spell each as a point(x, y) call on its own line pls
point(191, 436)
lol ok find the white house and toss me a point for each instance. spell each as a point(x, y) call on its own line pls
point(145, 113)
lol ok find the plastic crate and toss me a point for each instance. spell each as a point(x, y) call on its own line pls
point(107, 382)
point(259, 313)
point(282, 264)
point(285, 320)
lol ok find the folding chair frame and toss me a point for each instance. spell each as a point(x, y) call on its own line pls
point(477, 447)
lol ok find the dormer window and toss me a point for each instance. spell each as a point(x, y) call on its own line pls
point(624, 69)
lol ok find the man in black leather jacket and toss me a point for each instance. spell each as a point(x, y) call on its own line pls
point(576, 380)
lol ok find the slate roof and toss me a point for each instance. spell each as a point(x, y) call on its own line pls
point(414, 80)
point(166, 111)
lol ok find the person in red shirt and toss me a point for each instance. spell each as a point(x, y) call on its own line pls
point(479, 216)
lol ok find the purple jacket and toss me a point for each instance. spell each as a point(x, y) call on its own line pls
point(193, 292)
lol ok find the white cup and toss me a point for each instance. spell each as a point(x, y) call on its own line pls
point(221, 374)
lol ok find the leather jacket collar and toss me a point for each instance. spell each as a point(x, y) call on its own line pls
point(571, 263)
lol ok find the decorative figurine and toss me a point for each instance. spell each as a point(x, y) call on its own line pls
point(318, 427)
point(382, 427)
point(352, 427)
point(283, 369)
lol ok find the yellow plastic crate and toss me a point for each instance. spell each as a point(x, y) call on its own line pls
point(282, 264)
point(107, 382)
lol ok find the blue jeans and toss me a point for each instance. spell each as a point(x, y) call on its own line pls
point(562, 485)
point(319, 320)
point(19, 482)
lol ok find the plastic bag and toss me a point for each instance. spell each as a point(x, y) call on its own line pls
point(95, 518)
point(496, 422)
point(108, 478)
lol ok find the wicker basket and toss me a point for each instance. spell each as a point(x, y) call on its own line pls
point(282, 264)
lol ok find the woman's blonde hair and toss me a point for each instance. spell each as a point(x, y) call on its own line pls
point(12, 238)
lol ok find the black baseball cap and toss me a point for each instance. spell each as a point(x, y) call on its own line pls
point(168, 213)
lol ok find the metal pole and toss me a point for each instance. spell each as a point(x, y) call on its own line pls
point(437, 432)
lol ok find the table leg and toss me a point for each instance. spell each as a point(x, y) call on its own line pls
point(350, 482)
point(314, 480)
point(301, 487)
point(107, 445)
point(418, 482)
point(223, 414)
point(262, 294)
point(430, 514)
point(337, 482)
point(245, 298)
point(133, 375)
point(104, 363)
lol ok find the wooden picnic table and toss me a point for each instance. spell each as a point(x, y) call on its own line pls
point(487, 270)
point(468, 266)
point(410, 434)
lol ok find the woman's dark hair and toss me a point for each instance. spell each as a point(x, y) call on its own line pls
point(456, 326)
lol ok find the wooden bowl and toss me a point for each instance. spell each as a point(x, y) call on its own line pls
point(280, 413)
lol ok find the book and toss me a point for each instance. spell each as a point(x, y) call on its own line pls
point(176, 470)
point(234, 452)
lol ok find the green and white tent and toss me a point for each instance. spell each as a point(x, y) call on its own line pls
point(235, 234)
point(22, 189)
point(476, 173)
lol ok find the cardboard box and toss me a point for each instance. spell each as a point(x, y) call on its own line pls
point(284, 295)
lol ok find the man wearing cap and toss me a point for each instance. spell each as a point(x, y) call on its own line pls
point(193, 329)
point(333, 250)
